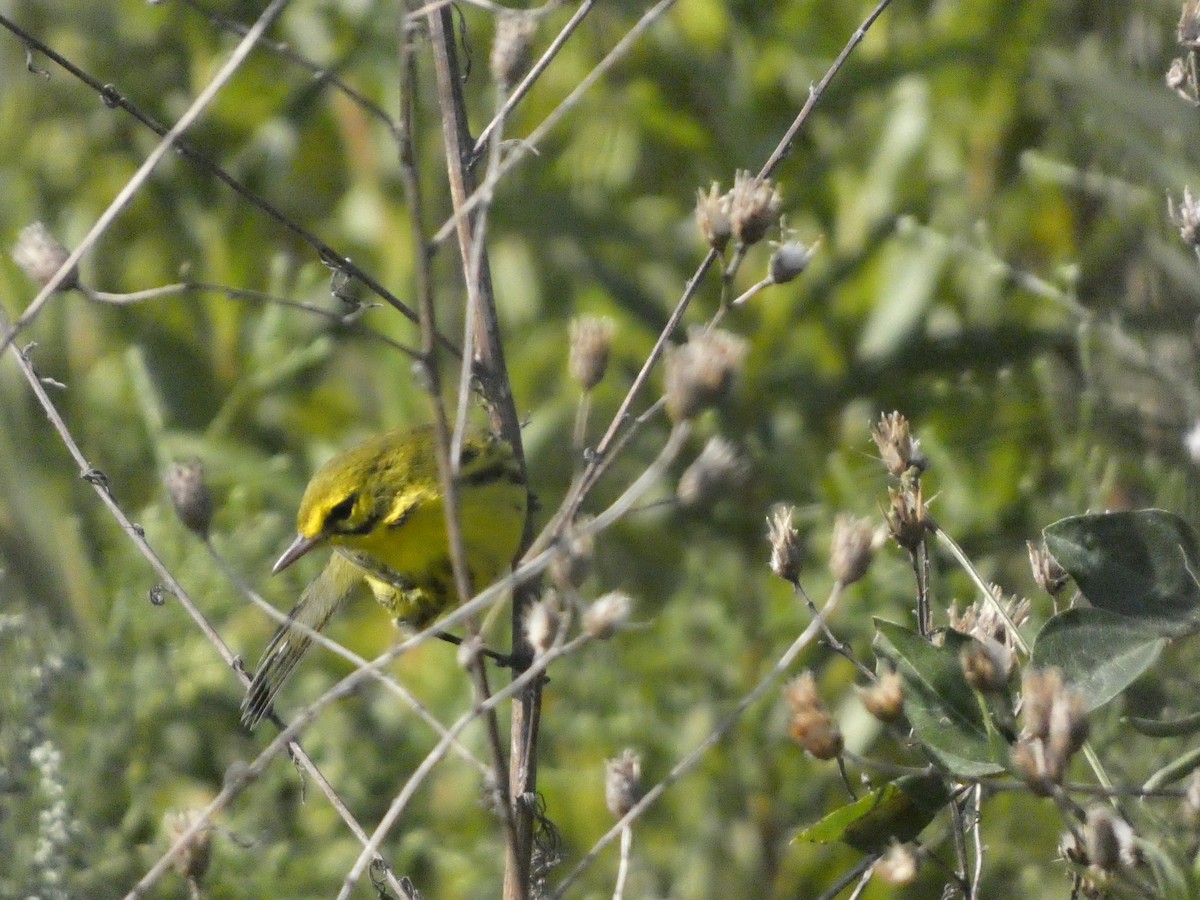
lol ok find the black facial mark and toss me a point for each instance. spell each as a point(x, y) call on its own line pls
point(342, 510)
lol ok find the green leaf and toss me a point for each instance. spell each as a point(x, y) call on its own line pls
point(1099, 652)
point(899, 810)
point(943, 709)
point(1138, 564)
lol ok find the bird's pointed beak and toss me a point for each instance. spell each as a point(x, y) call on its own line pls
point(298, 548)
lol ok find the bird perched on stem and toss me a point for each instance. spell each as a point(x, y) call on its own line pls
point(380, 507)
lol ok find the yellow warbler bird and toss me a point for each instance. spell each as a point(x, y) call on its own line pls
point(380, 506)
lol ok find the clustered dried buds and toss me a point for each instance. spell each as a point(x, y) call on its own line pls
point(189, 495)
point(700, 372)
point(622, 782)
point(787, 556)
point(191, 862)
point(542, 621)
point(1186, 217)
point(983, 621)
point(753, 206)
point(712, 217)
point(907, 516)
point(718, 469)
point(1049, 575)
point(39, 255)
point(510, 48)
point(1054, 728)
point(607, 615)
point(591, 341)
point(884, 698)
point(811, 726)
point(1109, 841)
point(854, 544)
point(898, 866)
point(898, 449)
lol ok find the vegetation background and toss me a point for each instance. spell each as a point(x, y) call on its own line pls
point(988, 181)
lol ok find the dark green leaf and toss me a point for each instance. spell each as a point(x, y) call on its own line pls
point(943, 709)
point(1100, 652)
point(899, 811)
point(1137, 564)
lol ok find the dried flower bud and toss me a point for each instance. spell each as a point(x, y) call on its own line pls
point(1049, 575)
point(591, 341)
point(789, 260)
point(811, 726)
point(542, 621)
point(981, 619)
point(192, 860)
point(753, 205)
point(1177, 78)
point(622, 782)
point(1189, 25)
point(786, 552)
point(987, 664)
point(898, 866)
point(510, 47)
point(718, 469)
point(1109, 840)
point(907, 518)
point(607, 615)
point(854, 544)
point(1186, 217)
point(884, 699)
point(898, 449)
point(39, 255)
point(700, 372)
point(1054, 725)
point(574, 562)
point(712, 217)
point(189, 495)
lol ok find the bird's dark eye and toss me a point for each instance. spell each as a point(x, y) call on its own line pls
point(341, 512)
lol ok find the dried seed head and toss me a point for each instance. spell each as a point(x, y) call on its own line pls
point(753, 206)
point(191, 862)
point(510, 47)
point(787, 555)
point(898, 865)
point(591, 341)
point(789, 260)
point(854, 544)
point(1109, 840)
point(1049, 575)
point(542, 621)
point(1054, 725)
point(811, 726)
point(981, 620)
point(1177, 78)
point(712, 217)
point(574, 562)
point(718, 469)
point(898, 449)
point(1189, 25)
point(189, 495)
point(606, 616)
point(39, 255)
point(622, 782)
point(700, 372)
point(884, 698)
point(1186, 217)
point(907, 518)
point(987, 665)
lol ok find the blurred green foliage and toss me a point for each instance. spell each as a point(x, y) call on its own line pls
point(967, 149)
